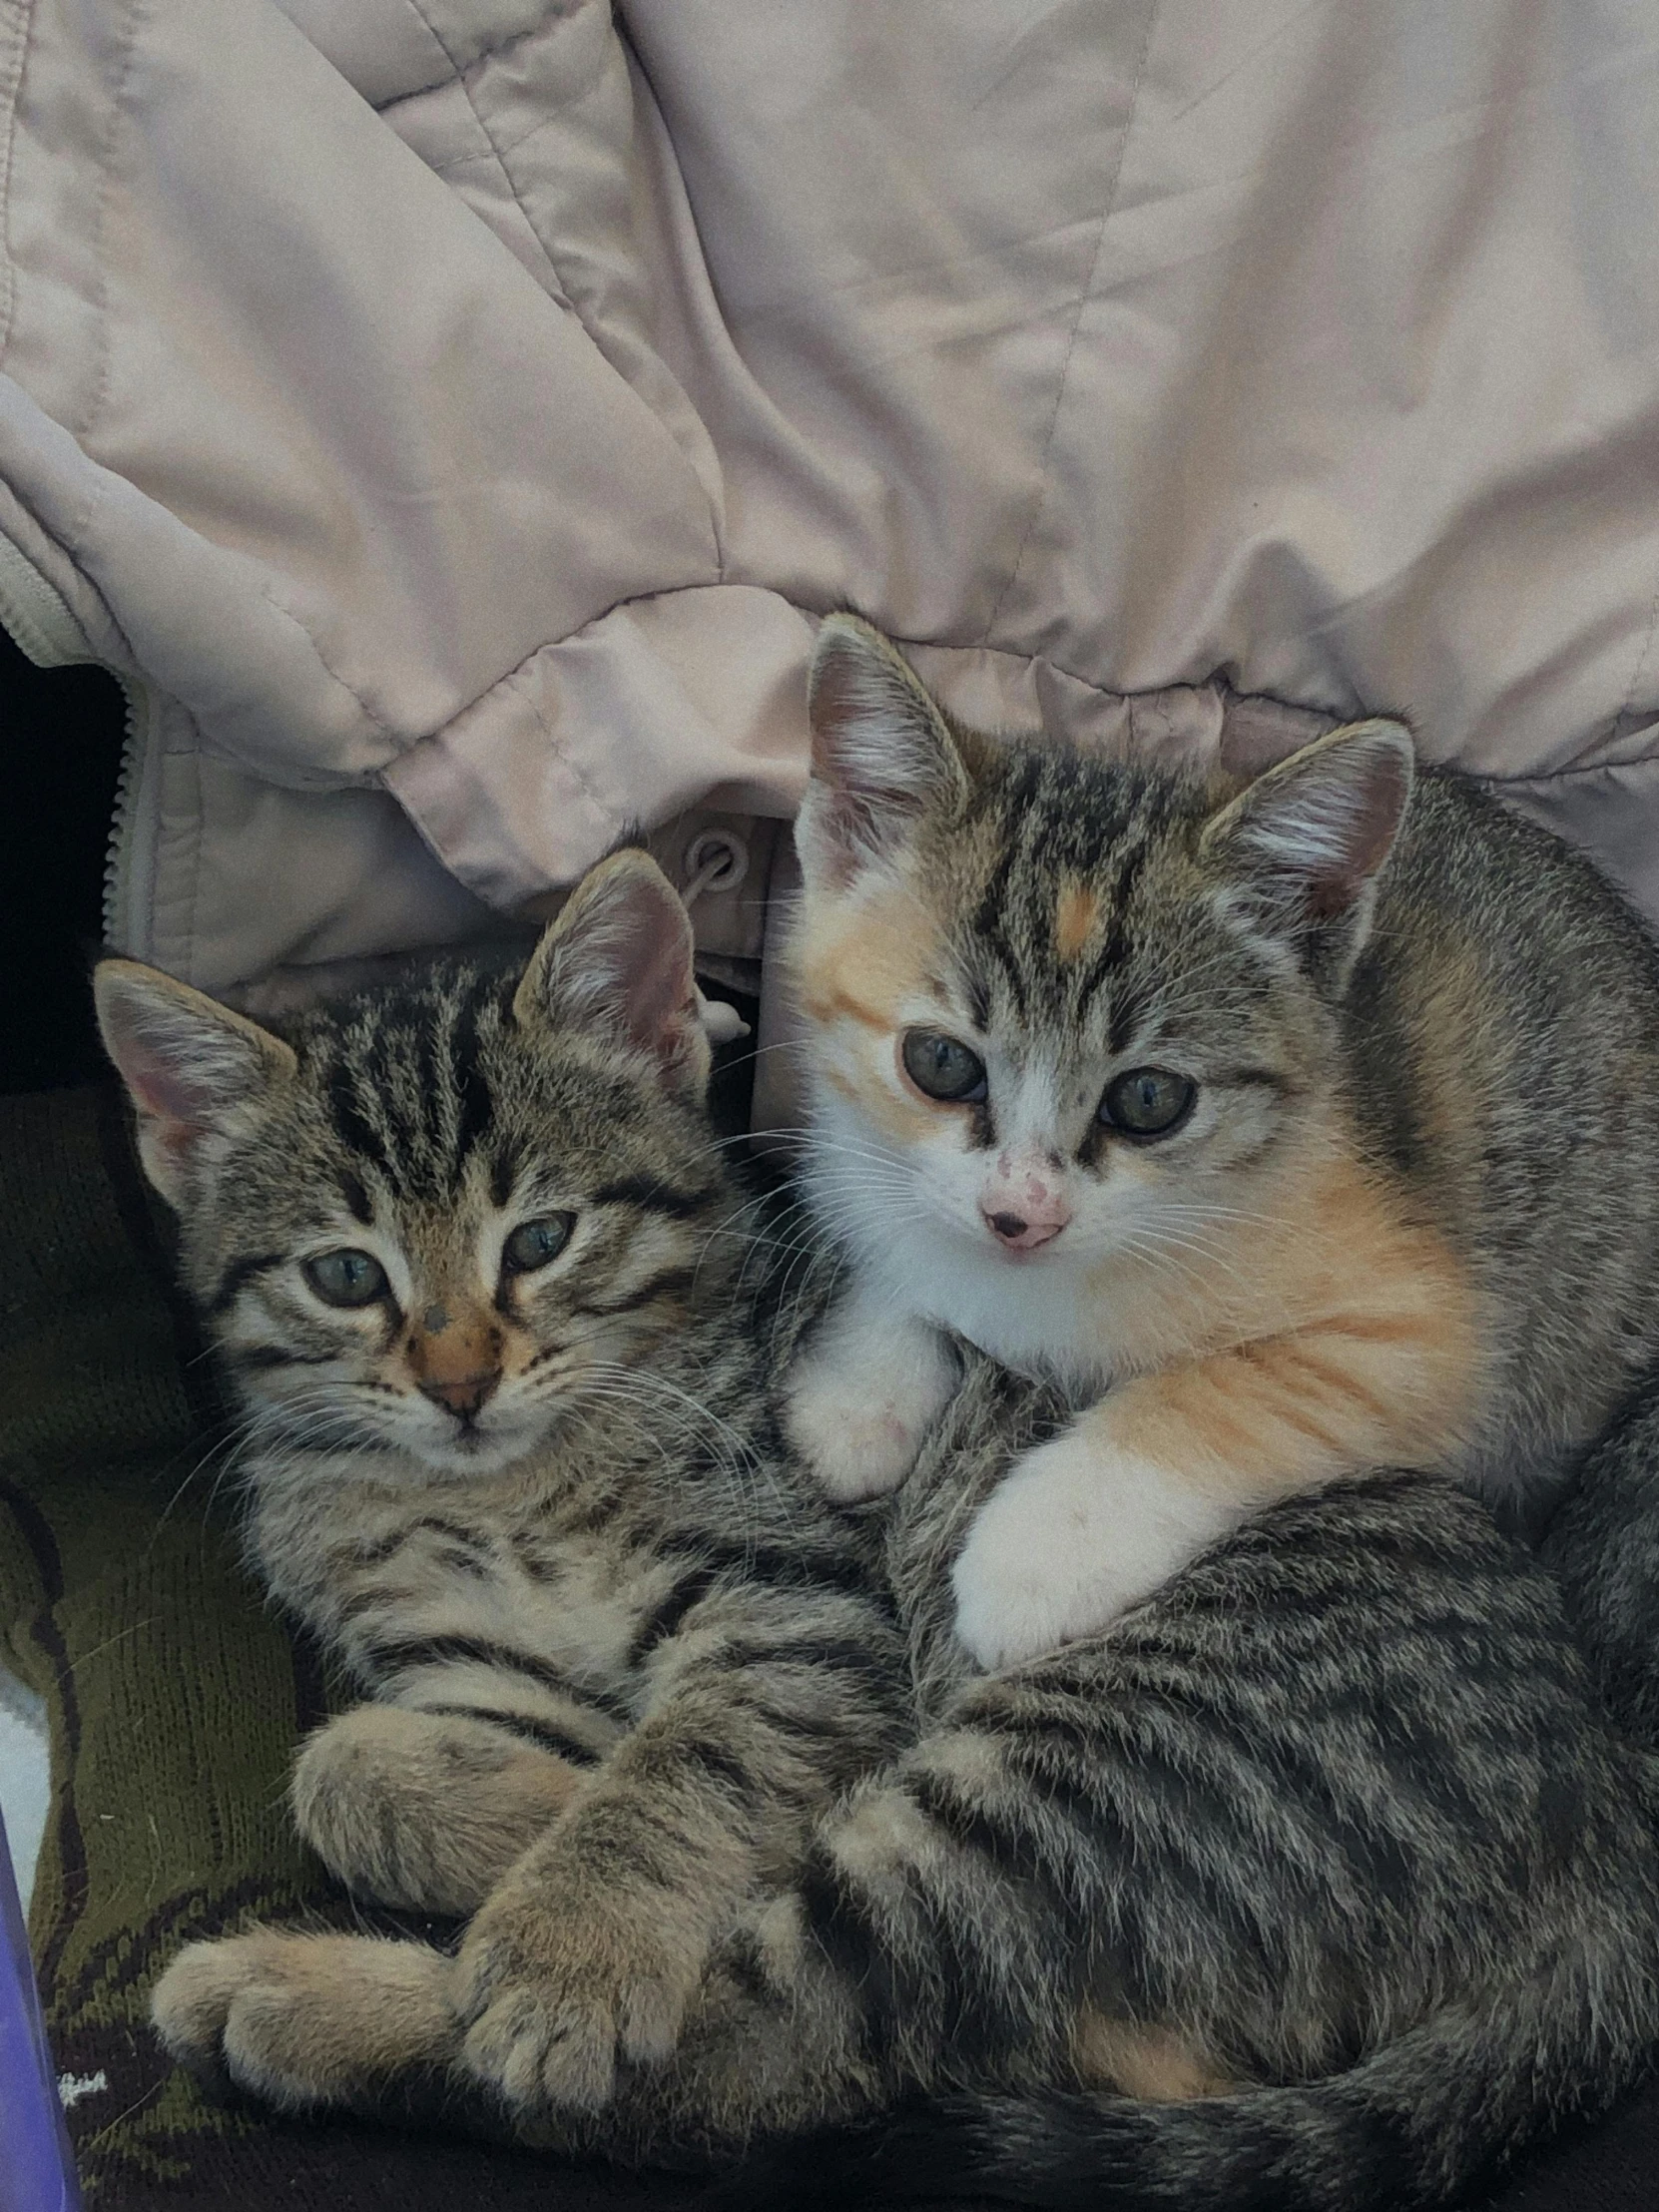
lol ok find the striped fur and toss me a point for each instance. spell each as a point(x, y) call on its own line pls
point(1320, 1883)
point(1407, 1214)
point(617, 1654)
point(1317, 1883)
point(1603, 1547)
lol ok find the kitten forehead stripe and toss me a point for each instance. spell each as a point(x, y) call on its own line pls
point(653, 1197)
point(237, 1278)
point(478, 1103)
point(669, 1281)
point(355, 1128)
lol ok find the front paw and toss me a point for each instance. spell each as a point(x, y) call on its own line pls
point(1077, 1532)
point(559, 1994)
point(855, 1448)
point(307, 2022)
point(858, 1408)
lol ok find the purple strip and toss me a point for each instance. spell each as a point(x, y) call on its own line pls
point(37, 2173)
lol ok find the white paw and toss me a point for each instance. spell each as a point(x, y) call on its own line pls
point(1077, 1533)
point(859, 1406)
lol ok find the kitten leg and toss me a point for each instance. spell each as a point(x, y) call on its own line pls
point(425, 1809)
point(861, 1396)
point(1094, 1521)
point(307, 2022)
point(582, 1963)
point(1076, 1532)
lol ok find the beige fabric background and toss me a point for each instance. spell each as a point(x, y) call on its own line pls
point(451, 414)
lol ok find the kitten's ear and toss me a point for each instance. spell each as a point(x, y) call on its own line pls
point(617, 958)
point(188, 1063)
point(883, 754)
point(1313, 834)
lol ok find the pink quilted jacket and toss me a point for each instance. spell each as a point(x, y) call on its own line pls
point(450, 416)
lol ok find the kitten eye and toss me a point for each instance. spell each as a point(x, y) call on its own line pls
point(347, 1278)
point(1147, 1102)
point(534, 1242)
point(942, 1067)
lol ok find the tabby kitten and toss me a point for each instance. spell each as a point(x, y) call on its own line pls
point(469, 1260)
point(1297, 1129)
point(1320, 1883)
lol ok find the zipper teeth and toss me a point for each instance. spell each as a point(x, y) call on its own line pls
point(117, 863)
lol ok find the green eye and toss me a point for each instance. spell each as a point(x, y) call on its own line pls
point(942, 1067)
point(1147, 1102)
point(534, 1242)
point(347, 1278)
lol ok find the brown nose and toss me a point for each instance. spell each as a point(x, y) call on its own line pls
point(464, 1395)
point(456, 1360)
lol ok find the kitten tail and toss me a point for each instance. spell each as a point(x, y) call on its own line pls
point(1414, 2126)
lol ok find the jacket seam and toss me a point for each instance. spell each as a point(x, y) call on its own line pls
point(455, 70)
point(1569, 775)
point(565, 294)
point(1040, 508)
point(14, 92)
point(376, 720)
point(1133, 701)
point(1138, 702)
point(516, 684)
point(495, 149)
point(120, 89)
point(1641, 662)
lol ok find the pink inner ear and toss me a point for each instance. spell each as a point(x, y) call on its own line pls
point(160, 1086)
point(1372, 812)
point(1322, 827)
point(624, 952)
point(661, 992)
point(185, 1061)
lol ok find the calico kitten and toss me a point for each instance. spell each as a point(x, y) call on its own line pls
point(468, 1257)
point(1298, 1129)
point(1320, 1883)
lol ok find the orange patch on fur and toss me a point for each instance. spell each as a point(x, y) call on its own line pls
point(895, 1115)
point(825, 1006)
point(1074, 917)
point(1338, 1339)
point(1152, 2064)
point(855, 967)
point(869, 956)
point(465, 1346)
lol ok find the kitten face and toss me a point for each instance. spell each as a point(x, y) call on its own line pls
point(1065, 1014)
point(459, 1318)
point(1045, 1115)
point(432, 1224)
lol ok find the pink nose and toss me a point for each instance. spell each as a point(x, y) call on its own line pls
point(1016, 1233)
point(1020, 1235)
point(1022, 1209)
point(1020, 1221)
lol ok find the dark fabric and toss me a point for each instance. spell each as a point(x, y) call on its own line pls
point(61, 733)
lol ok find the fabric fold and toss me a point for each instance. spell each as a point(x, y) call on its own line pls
point(468, 405)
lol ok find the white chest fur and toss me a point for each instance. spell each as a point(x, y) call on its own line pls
point(1036, 1318)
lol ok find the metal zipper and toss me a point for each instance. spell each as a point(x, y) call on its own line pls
point(127, 871)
